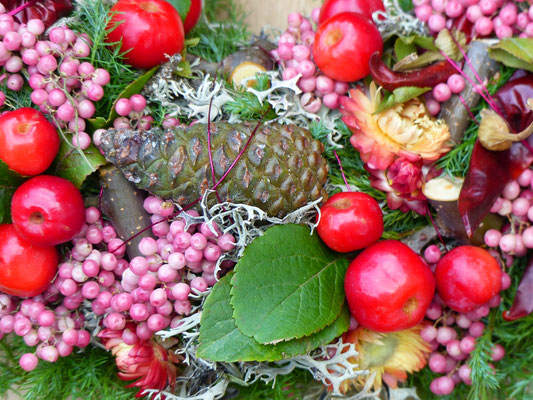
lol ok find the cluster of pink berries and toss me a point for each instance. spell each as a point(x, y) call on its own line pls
point(452, 335)
point(294, 54)
point(63, 86)
point(516, 203)
point(443, 91)
point(137, 298)
point(133, 114)
point(54, 330)
point(502, 18)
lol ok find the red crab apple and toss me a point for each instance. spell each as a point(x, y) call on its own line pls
point(193, 15)
point(467, 277)
point(148, 31)
point(47, 210)
point(350, 221)
point(25, 269)
point(388, 287)
point(28, 141)
point(344, 44)
point(334, 7)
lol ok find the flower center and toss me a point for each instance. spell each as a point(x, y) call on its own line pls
point(378, 354)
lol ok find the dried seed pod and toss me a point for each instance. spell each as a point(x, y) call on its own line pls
point(494, 132)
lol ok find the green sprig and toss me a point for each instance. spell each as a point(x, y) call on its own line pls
point(87, 374)
point(92, 18)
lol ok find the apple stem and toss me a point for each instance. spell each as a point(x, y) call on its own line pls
point(342, 171)
point(437, 230)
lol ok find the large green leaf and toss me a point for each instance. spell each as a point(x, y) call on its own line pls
point(287, 285)
point(400, 96)
point(9, 181)
point(221, 340)
point(514, 52)
point(71, 165)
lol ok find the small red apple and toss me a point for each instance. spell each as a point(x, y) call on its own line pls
point(388, 287)
point(344, 44)
point(47, 210)
point(25, 269)
point(350, 221)
point(467, 277)
point(334, 7)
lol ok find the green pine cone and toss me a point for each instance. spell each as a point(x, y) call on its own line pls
point(281, 170)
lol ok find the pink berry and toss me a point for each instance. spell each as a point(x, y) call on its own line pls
point(456, 83)
point(181, 291)
point(123, 107)
point(498, 352)
point(423, 12)
point(437, 363)
point(454, 9)
point(428, 333)
point(476, 329)
point(484, 26)
point(442, 92)
point(492, 237)
point(436, 22)
point(28, 361)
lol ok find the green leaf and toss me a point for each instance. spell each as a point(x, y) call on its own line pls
point(98, 123)
point(402, 49)
point(182, 7)
point(133, 88)
point(221, 340)
point(514, 52)
point(71, 165)
point(425, 42)
point(183, 69)
point(9, 181)
point(287, 285)
point(400, 96)
point(406, 5)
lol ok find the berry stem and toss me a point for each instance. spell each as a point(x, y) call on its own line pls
point(342, 171)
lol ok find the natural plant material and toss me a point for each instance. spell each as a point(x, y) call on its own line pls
point(25, 269)
point(403, 130)
point(334, 7)
point(350, 221)
point(467, 277)
point(494, 132)
point(390, 356)
point(523, 301)
point(456, 111)
point(402, 181)
point(343, 45)
point(280, 171)
point(133, 24)
point(149, 362)
point(388, 287)
point(240, 67)
point(429, 76)
point(48, 210)
point(49, 11)
point(28, 141)
point(122, 202)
